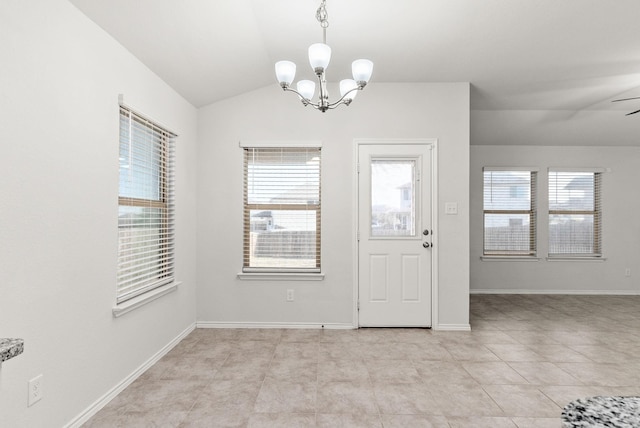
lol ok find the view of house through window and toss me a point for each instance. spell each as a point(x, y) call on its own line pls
point(574, 214)
point(282, 209)
point(392, 197)
point(509, 212)
point(145, 213)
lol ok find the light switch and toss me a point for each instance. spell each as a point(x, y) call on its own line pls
point(451, 208)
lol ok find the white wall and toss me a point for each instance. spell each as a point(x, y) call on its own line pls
point(392, 111)
point(59, 85)
point(621, 228)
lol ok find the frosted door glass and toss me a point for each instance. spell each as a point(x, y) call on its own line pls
point(393, 197)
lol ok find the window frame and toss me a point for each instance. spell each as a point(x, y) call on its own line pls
point(597, 253)
point(162, 279)
point(280, 273)
point(532, 212)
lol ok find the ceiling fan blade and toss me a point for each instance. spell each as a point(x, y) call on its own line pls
point(625, 99)
point(633, 112)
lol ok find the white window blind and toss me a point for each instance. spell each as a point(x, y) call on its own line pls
point(282, 209)
point(146, 206)
point(509, 212)
point(575, 215)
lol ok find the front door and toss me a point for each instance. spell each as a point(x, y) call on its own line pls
point(394, 230)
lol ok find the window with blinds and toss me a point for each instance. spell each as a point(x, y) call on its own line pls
point(282, 209)
point(509, 212)
point(575, 216)
point(146, 206)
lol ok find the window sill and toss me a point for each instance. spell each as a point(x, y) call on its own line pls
point(576, 259)
point(510, 258)
point(293, 276)
point(143, 299)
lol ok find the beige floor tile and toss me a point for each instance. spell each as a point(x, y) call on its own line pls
point(162, 395)
point(278, 396)
point(346, 397)
point(483, 422)
point(493, 373)
point(559, 354)
point(268, 334)
point(342, 371)
point(602, 354)
point(277, 377)
point(338, 351)
point(544, 373)
point(300, 350)
point(236, 396)
point(347, 420)
point(156, 418)
point(523, 400)
point(293, 370)
point(429, 352)
point(563, 395)
point(405, 399)
point(381, 351)
point(244, 368)
point(532, 338)
point(414, 421)
point(515, 353)
point(434, 373)
point(281, 420)
point(603, 374)
point(203, 417)
point(465, 401)
point(301, 335)
point(461, 352)
point(392, 371)
point(339, 336)
point(193, 369)
point(538, 422)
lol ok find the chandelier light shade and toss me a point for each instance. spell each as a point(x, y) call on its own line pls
point(347, 89)
point(319, 58)
point(362, 69)
point(307, 88)
point(286, 72)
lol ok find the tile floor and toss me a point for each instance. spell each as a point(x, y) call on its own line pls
point(526, 357)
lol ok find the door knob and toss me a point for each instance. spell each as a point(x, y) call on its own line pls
point(425, 245)
point(425, 232)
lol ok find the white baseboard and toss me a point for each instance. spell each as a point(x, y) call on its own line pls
point(572, 292)
point(105, 399)
point(452, 327)
point(327, 326)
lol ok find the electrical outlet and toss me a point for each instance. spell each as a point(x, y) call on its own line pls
point(627, 272)
point(35, 390)
point(289, 295)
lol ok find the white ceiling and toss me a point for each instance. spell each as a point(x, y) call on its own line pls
point(572, 56)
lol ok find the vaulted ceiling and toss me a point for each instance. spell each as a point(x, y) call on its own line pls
point(542, 61)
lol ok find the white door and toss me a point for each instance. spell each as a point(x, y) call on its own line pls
point(394, 229)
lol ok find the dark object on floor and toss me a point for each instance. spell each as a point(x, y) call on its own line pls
point(615, 412)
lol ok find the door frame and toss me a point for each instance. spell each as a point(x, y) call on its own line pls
point(433, 143)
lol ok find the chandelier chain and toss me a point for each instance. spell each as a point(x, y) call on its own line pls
point(323, 18)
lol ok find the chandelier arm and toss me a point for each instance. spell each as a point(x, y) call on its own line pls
point(336, 105)
point(342, 100)
point(305, 101)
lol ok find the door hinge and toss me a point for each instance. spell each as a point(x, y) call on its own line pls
point(417, 175)
point(358, 236)
point(358, 305)
point(358, 167)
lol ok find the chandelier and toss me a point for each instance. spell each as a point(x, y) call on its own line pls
point(319, 57)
